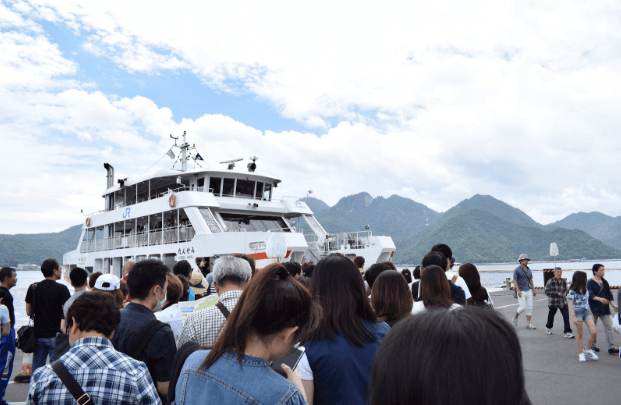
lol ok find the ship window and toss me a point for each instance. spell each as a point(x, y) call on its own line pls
point(228, 187)
point(245, 188)
point(259, 193)
point(267, 194)
point(214, 185)
point(200, 184)
point(254, 223)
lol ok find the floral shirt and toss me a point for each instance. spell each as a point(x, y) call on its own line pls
point(581, 301)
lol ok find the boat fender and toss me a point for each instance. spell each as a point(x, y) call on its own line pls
point(172, 200)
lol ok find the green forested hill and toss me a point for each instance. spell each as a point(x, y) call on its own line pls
point(598, 225)
point(476, 236)
point(34, 248)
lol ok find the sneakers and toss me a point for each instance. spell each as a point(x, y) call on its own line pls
point(581, 357)
point(529, 326)
point(591, 354)
point(548, 331)
point(613, 350)
point(595, 348)
point(515, 322)
point(569, 335)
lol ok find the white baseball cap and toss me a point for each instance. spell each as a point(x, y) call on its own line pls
point(107, 282)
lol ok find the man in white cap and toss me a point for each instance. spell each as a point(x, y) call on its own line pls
point(523, 284)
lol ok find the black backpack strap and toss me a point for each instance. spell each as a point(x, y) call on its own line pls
point(144, 338)
point(223, 309)
point(72, 385)
point(180, 357)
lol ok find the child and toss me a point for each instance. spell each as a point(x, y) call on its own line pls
point(578, 299)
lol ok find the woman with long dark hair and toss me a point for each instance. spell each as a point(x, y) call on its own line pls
point(336, 366)
point(416, 362)
point(435, 291)
point(479, 296)
point(272, 314)
point(391, 297)
point(578, 299)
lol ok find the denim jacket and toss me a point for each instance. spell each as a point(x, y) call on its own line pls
point(226, 382)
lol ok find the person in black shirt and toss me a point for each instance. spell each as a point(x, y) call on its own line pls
point(8, 279)
point(46, 299)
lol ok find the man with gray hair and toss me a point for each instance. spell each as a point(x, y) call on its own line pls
point(230, 275)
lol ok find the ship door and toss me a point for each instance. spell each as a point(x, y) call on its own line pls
point(204, 264)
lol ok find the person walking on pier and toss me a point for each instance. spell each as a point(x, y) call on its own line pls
point(523, 284)
point(600, 299)
point(556, 290)
point(579, 308)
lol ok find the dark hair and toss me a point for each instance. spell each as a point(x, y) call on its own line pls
point(444, 249)
point(579, 282)
point(391, 298)
point(596, 267)
point(186, 287)
point(250, 261)
point(470, 274)
point(359, 261)
point(183, 267)
point(293, 268)
point(421, 351)
point(174, 291)
point(390, 265)
point(78, 277)
point(434, 259)
point(6, 272)
point(305, 281)
point(416, 273)
point(124, 289)
point(338, 288)
point(92, 279)
point(373, 272)
point(305, 265)
point(48, 266)
point(308, 270)
point(407, 274)
point(271, 302)
point(144, 275)
point(94, 311)
point(435, 290)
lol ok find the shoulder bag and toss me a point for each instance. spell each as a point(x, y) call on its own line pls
point(81, 397)
point(26, 339)
point(515, 294)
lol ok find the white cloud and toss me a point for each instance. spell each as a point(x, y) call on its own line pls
point(434, 101)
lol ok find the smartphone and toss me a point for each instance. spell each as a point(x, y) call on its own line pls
point(292, 359)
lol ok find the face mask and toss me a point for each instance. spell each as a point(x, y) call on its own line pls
point(159, 304)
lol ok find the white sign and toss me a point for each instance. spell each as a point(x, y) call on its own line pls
point(553, 249)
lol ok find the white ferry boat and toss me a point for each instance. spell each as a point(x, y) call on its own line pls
point(199, 215)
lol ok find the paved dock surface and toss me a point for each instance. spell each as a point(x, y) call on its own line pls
point(553, 373)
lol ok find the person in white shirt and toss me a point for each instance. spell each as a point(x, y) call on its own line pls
point(171, 313)
point(454, 277)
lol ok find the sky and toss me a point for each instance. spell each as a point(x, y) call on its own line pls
point(433, 101)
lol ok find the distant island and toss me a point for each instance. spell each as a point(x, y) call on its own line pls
point(480, 229)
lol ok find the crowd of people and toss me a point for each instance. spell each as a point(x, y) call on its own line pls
point(376, 336)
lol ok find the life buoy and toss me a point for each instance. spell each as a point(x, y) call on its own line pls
point(88, 222)
point(172, 200)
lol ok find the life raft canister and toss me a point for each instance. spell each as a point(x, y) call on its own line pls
point(172, 200)
point(88, 222)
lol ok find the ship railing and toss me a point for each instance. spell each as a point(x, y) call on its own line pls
point(170, 191)
point(340, 241)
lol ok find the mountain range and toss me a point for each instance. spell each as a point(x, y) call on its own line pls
point(480, 229)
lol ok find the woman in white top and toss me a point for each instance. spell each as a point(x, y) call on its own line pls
point(170, 313)
point(434, 291)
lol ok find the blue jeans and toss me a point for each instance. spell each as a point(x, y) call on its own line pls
point(7, 355)
point(45, 346)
